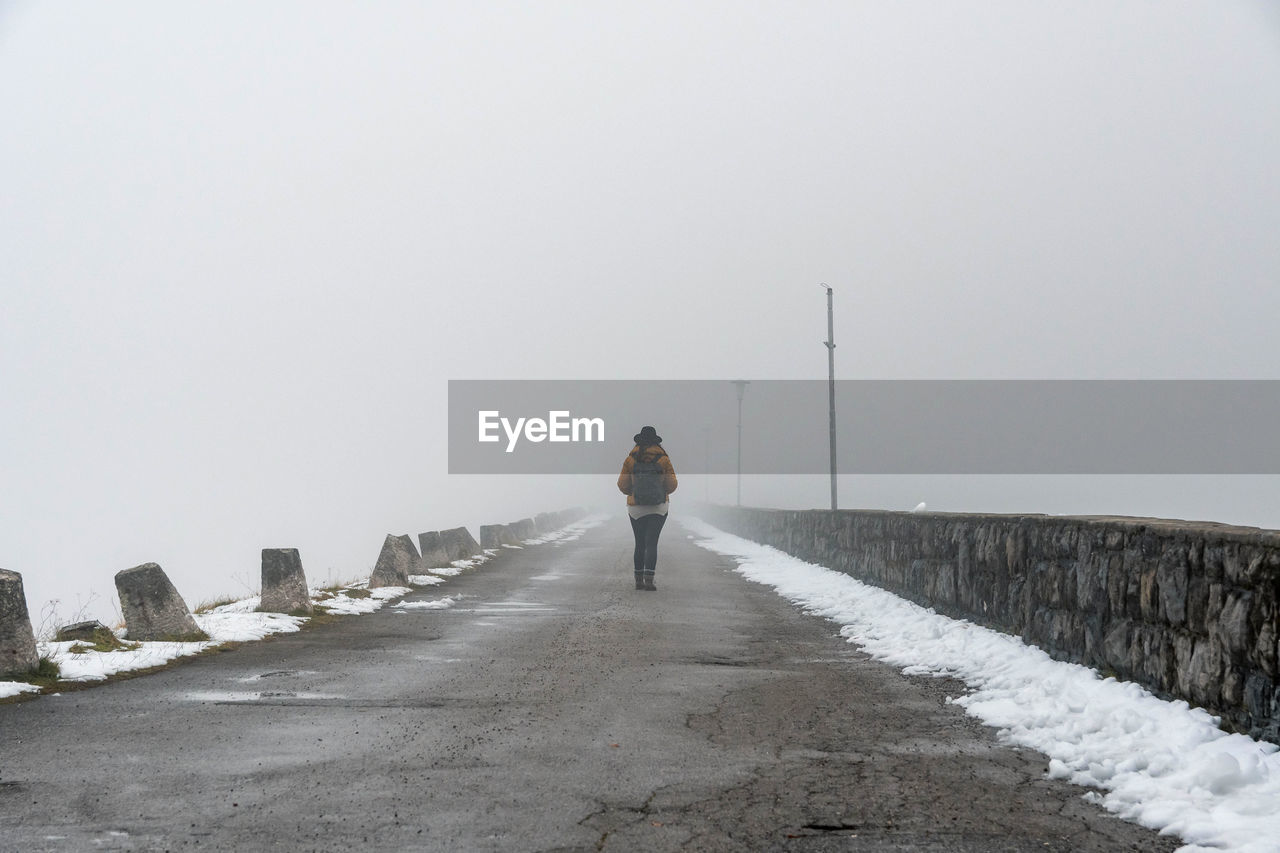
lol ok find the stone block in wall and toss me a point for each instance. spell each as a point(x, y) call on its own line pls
point(1197, 602)
point(1215, 598)
point(152, 607)
point(1195, 557)
point(1260, 697)
point(946, 583)
point(432, 550)
point(1134, 566)
point(1214, 561)
point(1232, 628)
point(1263, 653)
point(1015, 550)
point(18, 654)
point(1055, 630)
point(1116, 645)
point(1251, 563)
point(1065, 542)
point(1054, 583)
point(523, 529)
point(1117, 586)
point(1233, 687)
point(284, 584)
point(460, 544)
point(1152, 657)
point(1183, 647)
point(1204, 675)
point(397, 560)
point(1017, 604)
point(1233, 563)
point(1172, 576)
point(1148, 595)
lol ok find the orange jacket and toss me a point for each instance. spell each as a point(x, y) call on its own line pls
point(649, 454)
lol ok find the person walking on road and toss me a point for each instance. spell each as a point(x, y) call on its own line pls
point(648, 478)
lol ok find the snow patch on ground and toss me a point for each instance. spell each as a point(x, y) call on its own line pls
point(570, 532)
point(15, 688)
point(236, 622)
point(346, 605)
point(457, 567)
point(1162, 764)
point(436, 604)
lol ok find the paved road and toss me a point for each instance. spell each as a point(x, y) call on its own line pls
point(553, 708)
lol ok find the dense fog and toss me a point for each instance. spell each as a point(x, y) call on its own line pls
point(245, 246)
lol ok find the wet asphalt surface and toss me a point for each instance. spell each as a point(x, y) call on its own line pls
point(553, 707)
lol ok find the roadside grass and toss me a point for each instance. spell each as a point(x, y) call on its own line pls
point(43, 676)
point(211, 604)
point(196, 636)
point(104, 640)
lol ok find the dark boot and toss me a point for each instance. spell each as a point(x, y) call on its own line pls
point(639, 581)
point(648, 582)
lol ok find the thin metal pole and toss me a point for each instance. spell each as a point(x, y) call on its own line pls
point(831, 392)
point(706, 467)
point(739, 445)
point(742, 387)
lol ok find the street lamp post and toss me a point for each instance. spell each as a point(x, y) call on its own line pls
point(831, 391)
point(741, 385)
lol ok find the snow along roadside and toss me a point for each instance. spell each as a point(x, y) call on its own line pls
point(1162, 764)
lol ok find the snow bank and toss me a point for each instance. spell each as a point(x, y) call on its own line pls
point(346, 605)
point(1162, 764)
point(15, 688)
point(569, 532)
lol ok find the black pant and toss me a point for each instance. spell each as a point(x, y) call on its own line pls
point(646, 529)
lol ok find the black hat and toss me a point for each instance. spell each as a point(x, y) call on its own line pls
point(647, 435)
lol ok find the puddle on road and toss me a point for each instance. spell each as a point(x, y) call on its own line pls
point(507, 608)
point(281, 673)
point(248, 697)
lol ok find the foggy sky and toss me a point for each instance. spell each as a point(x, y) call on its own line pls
point(244, 246)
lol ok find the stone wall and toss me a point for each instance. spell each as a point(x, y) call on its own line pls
point(1187, 609)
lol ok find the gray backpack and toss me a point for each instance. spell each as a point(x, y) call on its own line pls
point(647, 485)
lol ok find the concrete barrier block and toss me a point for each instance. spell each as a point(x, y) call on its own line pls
point(433, 550)
point(153, 610)
point(397, 560)
point(460, 544)
point(494, 535)
point(17, 642)
point(284, 584)
point(523, 529)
